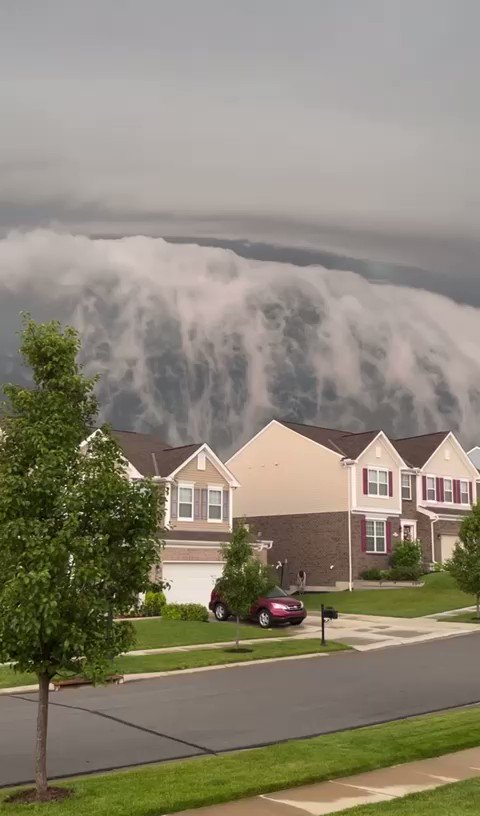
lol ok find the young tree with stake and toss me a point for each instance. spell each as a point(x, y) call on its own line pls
point(77, 539)
point(464, 564)
point(244, 577)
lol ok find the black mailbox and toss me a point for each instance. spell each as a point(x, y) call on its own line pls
point(330, 613)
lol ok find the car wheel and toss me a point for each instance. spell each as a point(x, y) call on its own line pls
point(221, 612)
point(264, 619)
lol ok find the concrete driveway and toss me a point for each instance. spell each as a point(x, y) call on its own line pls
point(238, 707)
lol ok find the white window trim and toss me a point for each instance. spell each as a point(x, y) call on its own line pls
point(409, 497)
point(465, 482)
point(409, 523)
point(191, 487)
point(375, 521)
point(435, 500)
point(214, 520)
point(378, 470)
point(451, 480)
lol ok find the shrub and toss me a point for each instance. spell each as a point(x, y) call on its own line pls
point(372, 574)
point(153, 604)
point(407, 554)
point(185, 612)
point(404, 574)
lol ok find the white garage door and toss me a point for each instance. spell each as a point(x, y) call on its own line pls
point(447, 543)
point(191, 582)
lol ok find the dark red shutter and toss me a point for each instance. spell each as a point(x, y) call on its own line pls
point(204, 504)
point(456, 491)
point(226, 505)
point(390, 483)
point(442, 490)
point(438, 485)
point(196, 503)
point(388, 530)
point(470, 492)
point(365, 481)
point(363, 532)
point(424, 487)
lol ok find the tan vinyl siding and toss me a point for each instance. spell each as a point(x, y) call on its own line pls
point(282, 472)
point(455, 466)
point(201, 478)
point(378, 455)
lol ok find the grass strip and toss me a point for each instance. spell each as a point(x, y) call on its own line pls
point(459, 799)
point(158, 789)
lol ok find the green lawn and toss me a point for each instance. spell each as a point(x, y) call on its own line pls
point(174, 786)
point(438, 594)
point(158, 633)
point(462, 617)
point(460, 799)
point(188, 660)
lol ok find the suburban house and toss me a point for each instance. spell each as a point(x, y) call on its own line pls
point(334, 502)
point(198, 510)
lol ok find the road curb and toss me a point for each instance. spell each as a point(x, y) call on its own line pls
point(132, 678)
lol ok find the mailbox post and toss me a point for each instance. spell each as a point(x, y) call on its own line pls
point(328, 613)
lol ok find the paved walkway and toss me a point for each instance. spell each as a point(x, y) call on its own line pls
point(382, 785)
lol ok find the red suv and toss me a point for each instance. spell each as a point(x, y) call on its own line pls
point(276, 606)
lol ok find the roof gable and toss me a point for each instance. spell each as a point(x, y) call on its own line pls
point(417, 450)
point(328, 437)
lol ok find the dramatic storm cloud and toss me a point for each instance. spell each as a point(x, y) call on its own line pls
point(344, 125)
point(199, 343)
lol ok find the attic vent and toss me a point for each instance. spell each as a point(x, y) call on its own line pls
point(447, 453)
point(201, 461)
point(378, 451)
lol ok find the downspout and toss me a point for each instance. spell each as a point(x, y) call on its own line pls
point(348, 463)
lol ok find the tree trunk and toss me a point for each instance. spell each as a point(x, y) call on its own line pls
point(478, 607)
point(41, 782)
point(237, 633)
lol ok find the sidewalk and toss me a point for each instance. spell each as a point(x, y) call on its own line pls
point(369, 788)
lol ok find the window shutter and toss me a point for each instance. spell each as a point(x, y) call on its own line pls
point(439, 489)
point(173, 501)
point(388, 533)
point(390, 483)
point(456, 491)
point(470, 492)
point(226, 505)
point(442, 489)
point(204, 504)
point(196, 503)
point(424, 487)
point(365, 481)
point(363, 533)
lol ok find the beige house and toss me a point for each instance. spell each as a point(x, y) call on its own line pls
point(198, 512)
point(334, 502)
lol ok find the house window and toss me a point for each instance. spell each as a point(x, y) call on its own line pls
point(185, 503)
point(409, 530)
point(406, 486)
point(448, 491)
point(376, 538)
point(214, 504)
point(464, 497)
point(377, 482)
point(431, 489)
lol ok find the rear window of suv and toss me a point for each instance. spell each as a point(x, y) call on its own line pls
point(276, 592)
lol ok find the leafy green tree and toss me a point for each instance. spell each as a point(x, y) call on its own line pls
point(77, 539)
point(464, 564)
point(244, 577)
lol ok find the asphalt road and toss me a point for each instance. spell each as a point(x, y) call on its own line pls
point(181, 716)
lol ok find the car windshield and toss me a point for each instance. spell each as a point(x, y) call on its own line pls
point(276, 592)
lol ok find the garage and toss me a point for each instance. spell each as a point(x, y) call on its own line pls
point(447, 546)
point(191, 582)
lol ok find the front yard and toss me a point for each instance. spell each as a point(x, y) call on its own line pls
point(438, 594)
point(461, 799)
point(157, 633)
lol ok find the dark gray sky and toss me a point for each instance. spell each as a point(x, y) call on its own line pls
point(346, 125)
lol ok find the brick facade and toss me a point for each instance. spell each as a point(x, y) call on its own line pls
point(314, 542)
point(364, 560)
